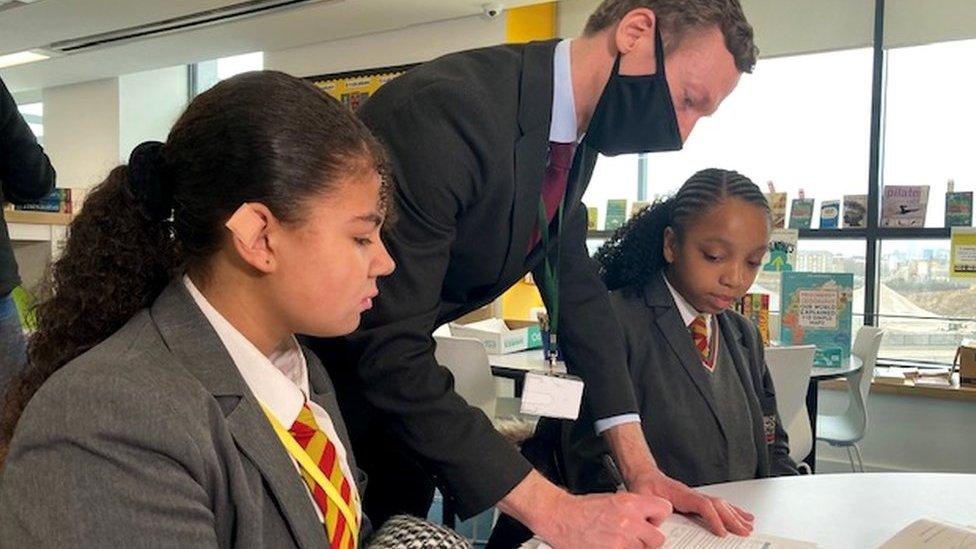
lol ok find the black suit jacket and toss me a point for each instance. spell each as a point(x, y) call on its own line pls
point(678, 411)
point(468, 136)
point(25, 174)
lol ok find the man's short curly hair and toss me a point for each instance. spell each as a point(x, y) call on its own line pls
point(678, 17)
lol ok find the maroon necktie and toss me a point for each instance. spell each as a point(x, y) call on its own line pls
point(554, 182)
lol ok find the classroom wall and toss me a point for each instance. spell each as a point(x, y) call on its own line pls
point(149, 104)
point(81, 130)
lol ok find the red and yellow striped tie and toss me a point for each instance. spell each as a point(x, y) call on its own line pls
point(323, 452)
point(699, 334)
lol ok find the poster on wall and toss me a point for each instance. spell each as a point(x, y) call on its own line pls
point(353, 88)
point(962, 254)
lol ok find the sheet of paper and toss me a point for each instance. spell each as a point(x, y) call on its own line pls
point(932, 534)
point(685, 534)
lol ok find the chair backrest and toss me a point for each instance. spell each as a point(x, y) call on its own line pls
point(866, 345)
point(790, 369)
point(467, 360)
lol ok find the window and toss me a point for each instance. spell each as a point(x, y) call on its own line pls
point(204, 75)
point(929, 121)
point(33, 114)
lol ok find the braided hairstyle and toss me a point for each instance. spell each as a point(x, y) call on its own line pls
point(635, 252)
point(257, 137)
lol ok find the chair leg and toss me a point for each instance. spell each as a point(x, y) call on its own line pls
point(850, 458)
point(857, 452)
point(804, 468)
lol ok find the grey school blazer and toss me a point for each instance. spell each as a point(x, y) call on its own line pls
point(153, 439)
point(678, 411)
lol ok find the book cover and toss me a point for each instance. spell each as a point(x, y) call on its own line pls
point(58, 200)
point(616, 213)
point(855, 210)
point(959, 209)
point(801, 213)
point(829, 214)
point(781, 251)
point(904, 205)
point(755, 307)
point(637, 206)
point(777, 205)
point(816, 309)
point(592, 216)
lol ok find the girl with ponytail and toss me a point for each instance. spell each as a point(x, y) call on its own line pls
point(166, 400)
point(706, 400)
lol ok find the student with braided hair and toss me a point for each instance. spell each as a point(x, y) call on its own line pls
point(703, 390)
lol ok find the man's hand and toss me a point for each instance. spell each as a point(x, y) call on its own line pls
point(719, 515)
point(614, 521)
point(641, 475)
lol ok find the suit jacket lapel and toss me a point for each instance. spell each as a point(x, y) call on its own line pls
point(531, 150)
point(735, 342)
point(668, 320)
point(191, 338)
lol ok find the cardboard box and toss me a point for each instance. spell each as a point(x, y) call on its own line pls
point(501, 336)
point(966, 362)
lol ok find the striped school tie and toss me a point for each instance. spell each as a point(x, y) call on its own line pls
point(318, 446)
point(699, 334)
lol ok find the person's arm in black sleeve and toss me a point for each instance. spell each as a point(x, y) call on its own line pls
point(435, 152)
point(25, 171)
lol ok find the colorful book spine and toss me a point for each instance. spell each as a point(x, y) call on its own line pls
point(592, 216)
point(58, 201)
point(829, 214)
point(904, 205)
point(959, 209)
point(616, 213)
point(855, 210)
point(801, 213)
point(755, 307)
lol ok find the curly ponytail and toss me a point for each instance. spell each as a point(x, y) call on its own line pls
point(257, 137)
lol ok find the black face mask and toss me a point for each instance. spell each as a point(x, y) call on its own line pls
point(635, 114)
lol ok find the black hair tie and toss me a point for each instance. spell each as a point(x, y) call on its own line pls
point(147, 183)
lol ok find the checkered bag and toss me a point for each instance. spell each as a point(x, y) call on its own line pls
point(408, 532)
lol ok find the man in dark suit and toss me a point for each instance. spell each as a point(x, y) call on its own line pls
point(479, 141)
point(25, 174)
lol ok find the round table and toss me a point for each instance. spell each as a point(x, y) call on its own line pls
point(851, 510)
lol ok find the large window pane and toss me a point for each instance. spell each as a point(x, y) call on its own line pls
point(613, 178)
point(925, 313)
point(929, 120)
point(801, 121)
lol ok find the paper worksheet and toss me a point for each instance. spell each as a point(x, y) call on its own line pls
point(688, 535)
point(932, 534)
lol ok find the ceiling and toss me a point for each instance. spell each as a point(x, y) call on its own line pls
point(42, 22)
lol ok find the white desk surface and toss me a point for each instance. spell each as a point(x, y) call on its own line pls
point(532, 361)
point(856, 510)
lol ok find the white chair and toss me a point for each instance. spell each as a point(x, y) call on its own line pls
point(848, 428)
point(790, 369)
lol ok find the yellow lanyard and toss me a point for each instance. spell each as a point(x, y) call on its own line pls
point(310, 467)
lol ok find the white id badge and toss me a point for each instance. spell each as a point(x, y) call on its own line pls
point(555, 395)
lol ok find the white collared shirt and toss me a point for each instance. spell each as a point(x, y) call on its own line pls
point(279, 381)
point(562, 127)
point(688, 313)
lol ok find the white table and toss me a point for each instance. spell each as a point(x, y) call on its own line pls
point(851, 510)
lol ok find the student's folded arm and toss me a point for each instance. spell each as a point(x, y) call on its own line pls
point(25, 171)
point(97, 464)
point(436, 180)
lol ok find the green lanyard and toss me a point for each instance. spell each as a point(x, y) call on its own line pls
point(550, 283)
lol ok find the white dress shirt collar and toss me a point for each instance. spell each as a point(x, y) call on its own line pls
point(688, 312)
point(562, 128)
point(280, 381)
